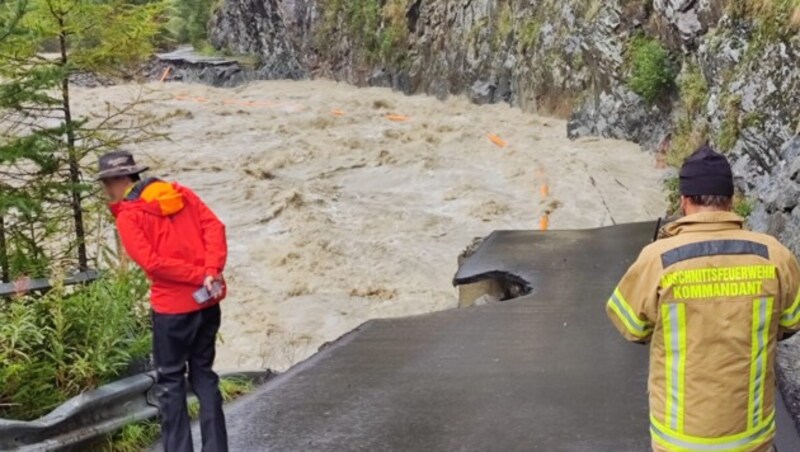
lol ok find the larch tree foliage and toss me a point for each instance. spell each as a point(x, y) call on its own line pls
point(11, 13)
point(44, 142)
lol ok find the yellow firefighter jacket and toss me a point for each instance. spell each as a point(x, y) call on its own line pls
point(713, 300)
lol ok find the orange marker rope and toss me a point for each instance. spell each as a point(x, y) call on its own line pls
point(499, 142)
point(337, 112)
point(273, 104)
point(545, 191)
point(544, 223)
point(263, 103)
point(165, 74)
point(397, 118)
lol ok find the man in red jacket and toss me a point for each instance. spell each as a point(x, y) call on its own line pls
point(181, 246)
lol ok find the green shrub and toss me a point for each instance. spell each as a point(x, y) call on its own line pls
point(652, 71)
point(66, 342)
point(742, 206)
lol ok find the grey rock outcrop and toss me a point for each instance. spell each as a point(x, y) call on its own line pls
point(620, 114)
point(684, 16)
point(777, 193)
point(257, 27)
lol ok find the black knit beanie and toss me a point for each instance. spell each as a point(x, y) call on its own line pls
point(706, 173)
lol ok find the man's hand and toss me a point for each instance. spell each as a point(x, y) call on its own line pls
point(214, 289)
point(208, 283)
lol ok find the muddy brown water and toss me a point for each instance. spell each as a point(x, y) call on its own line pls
point(346, 204)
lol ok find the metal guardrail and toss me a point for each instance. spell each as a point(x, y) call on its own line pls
point(91, 414)
point(44, 284)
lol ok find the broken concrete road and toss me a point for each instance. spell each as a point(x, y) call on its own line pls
point(545, 372)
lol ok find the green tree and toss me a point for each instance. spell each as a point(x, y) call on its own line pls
point(190, 21)
point(44, 142)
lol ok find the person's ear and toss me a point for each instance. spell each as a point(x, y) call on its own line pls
point(684, 204)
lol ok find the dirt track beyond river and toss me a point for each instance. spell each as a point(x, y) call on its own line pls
point(345, 204)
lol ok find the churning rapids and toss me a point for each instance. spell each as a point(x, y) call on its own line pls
point(347, 204)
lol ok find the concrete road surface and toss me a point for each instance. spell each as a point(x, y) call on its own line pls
point(545, 372)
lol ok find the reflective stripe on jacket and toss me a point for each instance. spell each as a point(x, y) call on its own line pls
point(713, 300)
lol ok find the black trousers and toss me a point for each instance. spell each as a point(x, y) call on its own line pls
point(178, 340)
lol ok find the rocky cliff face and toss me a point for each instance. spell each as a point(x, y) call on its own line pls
point(528, 53)
point(263, 28)
point(736, 78)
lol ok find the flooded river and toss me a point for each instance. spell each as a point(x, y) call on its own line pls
point(345, 204)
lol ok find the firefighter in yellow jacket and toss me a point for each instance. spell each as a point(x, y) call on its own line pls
point(713, 300)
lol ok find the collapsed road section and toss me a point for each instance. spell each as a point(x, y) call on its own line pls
point(543, 372)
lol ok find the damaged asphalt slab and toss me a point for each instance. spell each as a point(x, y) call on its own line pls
point(545, 372)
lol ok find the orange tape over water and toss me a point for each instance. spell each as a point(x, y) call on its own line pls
point(499, 142)
point(165, 74)
point(274, 104)
point(397, 118)
point(263, 103)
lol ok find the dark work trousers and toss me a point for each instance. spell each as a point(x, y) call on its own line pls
point(178, 340)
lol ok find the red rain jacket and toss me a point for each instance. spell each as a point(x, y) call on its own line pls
point(175, 238)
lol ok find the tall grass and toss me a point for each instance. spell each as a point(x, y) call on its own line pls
point(785, 11)
point(776, 18)
point(690, 129)
point(66, 342)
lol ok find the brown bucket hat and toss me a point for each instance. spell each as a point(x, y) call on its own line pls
point(118, 164)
